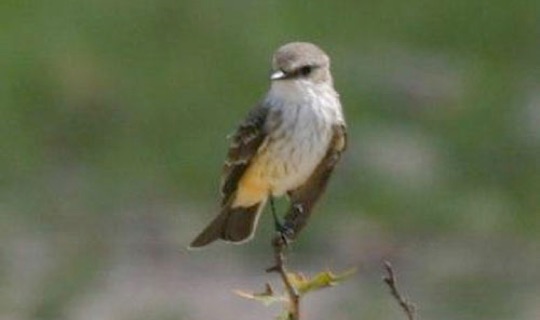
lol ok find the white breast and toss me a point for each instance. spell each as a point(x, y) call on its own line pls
point(300, 129)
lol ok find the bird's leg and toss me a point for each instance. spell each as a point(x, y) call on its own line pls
point(277, 223)
point(284, 232)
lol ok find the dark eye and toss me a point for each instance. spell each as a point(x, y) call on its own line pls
point(306, 70)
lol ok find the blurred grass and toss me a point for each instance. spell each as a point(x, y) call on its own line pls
point(110, 108)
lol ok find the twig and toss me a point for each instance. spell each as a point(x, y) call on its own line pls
point(294, 298)
point(390, 280)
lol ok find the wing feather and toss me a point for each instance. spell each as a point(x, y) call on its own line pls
point(246, 141)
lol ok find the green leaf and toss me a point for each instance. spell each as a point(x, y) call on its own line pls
point(321, 280)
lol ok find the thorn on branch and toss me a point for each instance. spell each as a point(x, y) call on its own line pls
point(390, 280)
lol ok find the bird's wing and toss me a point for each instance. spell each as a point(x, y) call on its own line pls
point(304, 198)
point(246, 141)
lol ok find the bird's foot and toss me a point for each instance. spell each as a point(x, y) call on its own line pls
point(284, 234)
point(282, 239)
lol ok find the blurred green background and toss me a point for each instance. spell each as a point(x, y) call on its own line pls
point(113, 123)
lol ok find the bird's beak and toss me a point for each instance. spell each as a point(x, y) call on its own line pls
point(278, 75)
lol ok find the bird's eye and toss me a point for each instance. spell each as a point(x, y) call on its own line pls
point(305, 70)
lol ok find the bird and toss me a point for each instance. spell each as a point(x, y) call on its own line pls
point(288, 145)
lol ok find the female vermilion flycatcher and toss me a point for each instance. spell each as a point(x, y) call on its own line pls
point(288, 144)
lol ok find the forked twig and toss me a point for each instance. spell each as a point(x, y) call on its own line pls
point(390, 280)
point(294, 298)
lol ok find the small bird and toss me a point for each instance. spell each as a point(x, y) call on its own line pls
point(288, 144)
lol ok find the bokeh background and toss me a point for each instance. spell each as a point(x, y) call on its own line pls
point(114, 117)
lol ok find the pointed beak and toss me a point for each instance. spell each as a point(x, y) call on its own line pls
point(278, 75)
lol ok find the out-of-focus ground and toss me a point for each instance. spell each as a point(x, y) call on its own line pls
point(113, 123)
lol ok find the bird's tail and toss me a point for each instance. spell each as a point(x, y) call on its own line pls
point(236, 225)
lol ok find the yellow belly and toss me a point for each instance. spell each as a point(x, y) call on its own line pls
point(252, 187)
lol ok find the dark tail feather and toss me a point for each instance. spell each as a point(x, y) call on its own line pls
point(235, 225)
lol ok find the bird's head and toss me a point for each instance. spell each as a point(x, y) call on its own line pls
point(301, 61)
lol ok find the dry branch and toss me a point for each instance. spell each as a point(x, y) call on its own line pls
point(390, 280)
point(294, 298)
